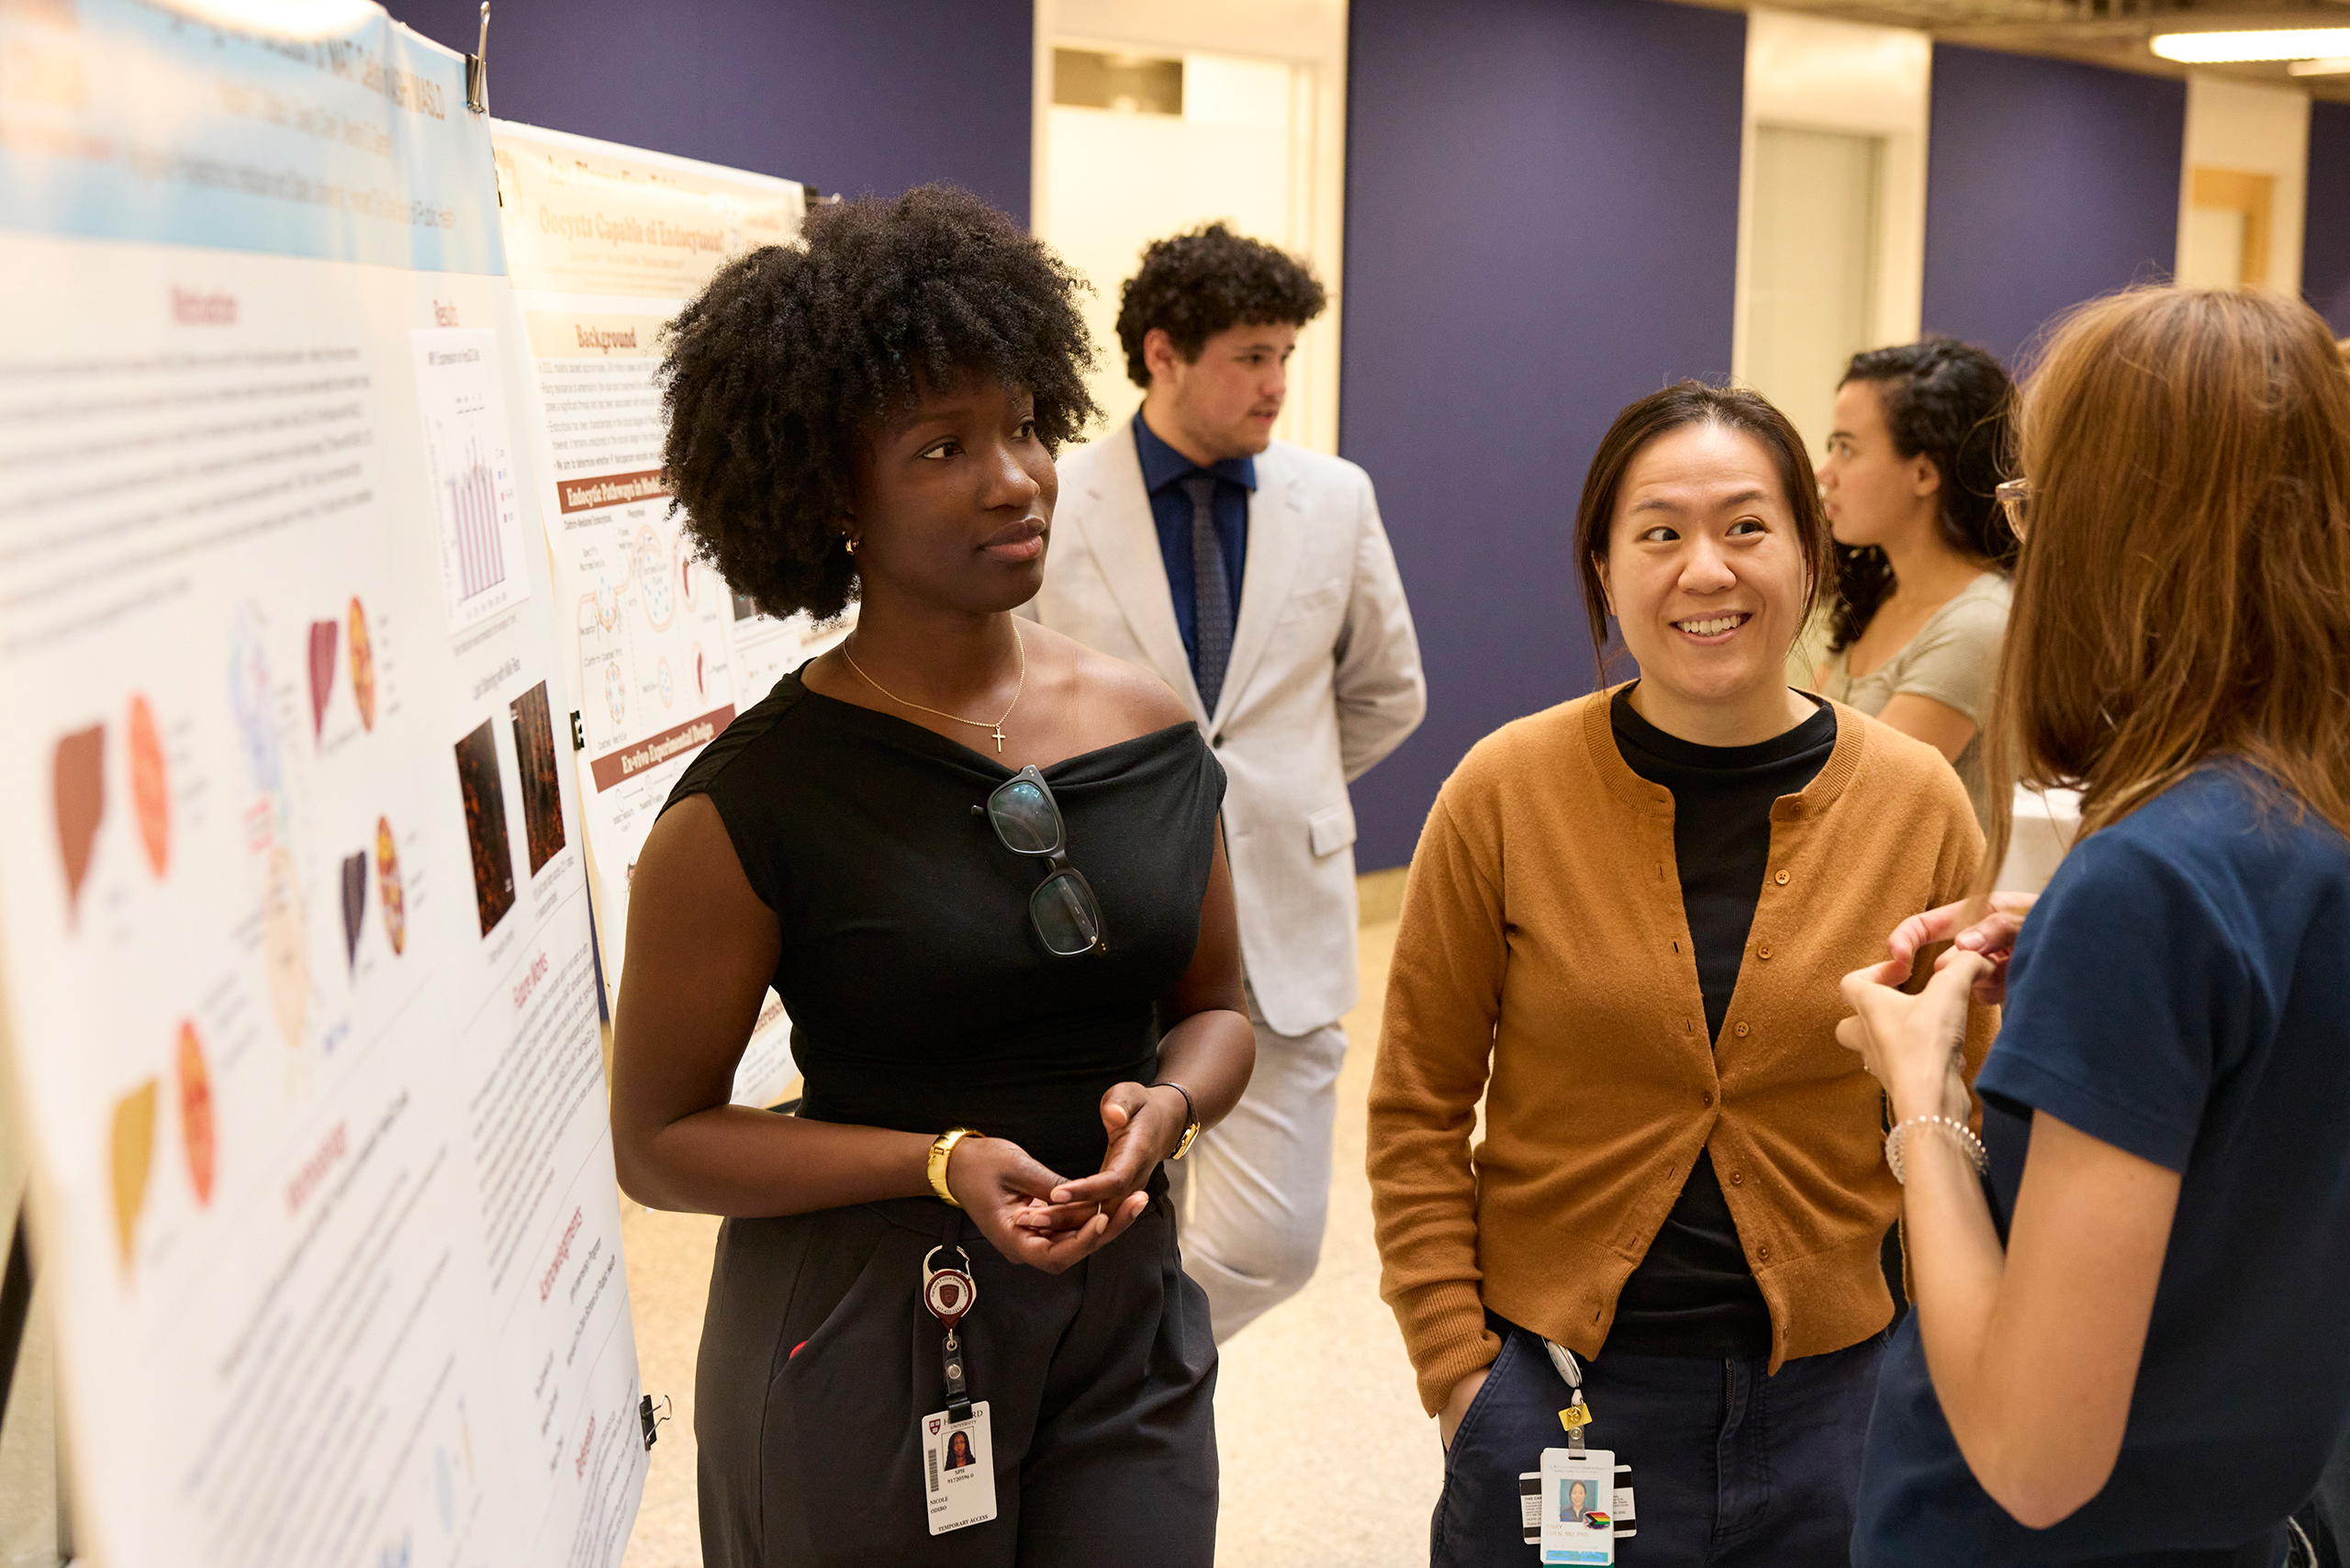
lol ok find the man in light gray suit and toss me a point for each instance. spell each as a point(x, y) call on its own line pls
point(1254, 577)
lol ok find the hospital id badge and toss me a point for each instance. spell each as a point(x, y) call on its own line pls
point(958, 1470)
point(1529, 1505)
point(1578, 1500)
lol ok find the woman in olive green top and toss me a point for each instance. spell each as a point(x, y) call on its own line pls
point(1919, 444)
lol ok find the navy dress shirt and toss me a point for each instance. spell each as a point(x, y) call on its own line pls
point(1164, 469)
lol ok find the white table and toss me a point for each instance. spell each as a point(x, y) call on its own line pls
point(2046, 823)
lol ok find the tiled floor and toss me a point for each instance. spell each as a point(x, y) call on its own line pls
point(1327, 1457)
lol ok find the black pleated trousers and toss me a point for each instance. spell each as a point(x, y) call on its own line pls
point(818, 1359)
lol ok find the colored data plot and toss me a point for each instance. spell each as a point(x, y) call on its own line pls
point(197, 1134)
point(131, 1148)
point(150, 793)
point(354, 905)
point(363, 665)
point(79, 786)
point(391, 895)
point(323, 634)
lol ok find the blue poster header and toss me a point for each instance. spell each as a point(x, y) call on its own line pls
point(128, 121)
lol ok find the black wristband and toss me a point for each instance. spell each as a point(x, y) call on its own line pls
point(1191, 1111)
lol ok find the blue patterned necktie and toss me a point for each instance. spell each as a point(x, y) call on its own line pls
point(1211, 594)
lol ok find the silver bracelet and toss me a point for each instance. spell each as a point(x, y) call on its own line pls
point(1958, 1133)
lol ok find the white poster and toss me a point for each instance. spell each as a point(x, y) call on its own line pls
point(294, 938)
point(606, 244)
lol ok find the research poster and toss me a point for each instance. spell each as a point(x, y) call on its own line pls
point(606, 244)
point(294, 952)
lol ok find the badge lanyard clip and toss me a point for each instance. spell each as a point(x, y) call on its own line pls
point(949, 1294)
point(1577, 1415)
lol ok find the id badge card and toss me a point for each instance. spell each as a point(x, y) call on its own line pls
point(1578, 1500)
point(959, 1470)
point(1529, 1505)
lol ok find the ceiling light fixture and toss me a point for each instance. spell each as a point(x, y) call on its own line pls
point(2223, 48)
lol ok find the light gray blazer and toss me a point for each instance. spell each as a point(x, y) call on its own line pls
point(1325, 680)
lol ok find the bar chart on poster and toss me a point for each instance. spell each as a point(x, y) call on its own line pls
point(472, 471)
point(294, 951)
point(606, 244)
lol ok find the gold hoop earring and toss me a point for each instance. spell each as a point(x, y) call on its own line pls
point(852, 546)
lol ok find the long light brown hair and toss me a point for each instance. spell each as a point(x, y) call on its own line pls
point(2184, 590)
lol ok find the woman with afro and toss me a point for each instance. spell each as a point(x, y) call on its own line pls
point(980, 865)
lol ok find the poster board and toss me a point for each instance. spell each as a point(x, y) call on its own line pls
point(606, 244)
point(295, 953)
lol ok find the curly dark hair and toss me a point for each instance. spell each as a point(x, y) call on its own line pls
point(1951, 402)
point(792, 353)
point(1195, 285)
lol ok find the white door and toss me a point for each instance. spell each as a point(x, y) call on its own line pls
point(1811, 289)
point(1142, 147)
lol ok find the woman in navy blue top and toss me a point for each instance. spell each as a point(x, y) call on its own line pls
point(2129, 1345)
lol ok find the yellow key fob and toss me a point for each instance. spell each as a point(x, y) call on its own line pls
point(1574, 1415)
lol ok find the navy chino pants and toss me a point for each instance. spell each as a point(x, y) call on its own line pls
point(1730, 1467)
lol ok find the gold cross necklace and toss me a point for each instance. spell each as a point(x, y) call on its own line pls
point(995, 729)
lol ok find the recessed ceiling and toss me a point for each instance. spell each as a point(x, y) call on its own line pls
point(2097, 32)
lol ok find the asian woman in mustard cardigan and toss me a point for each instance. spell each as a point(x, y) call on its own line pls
point(1624, 930)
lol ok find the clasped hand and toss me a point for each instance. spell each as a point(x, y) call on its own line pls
point(1048, 1222)
point(1915, 1045)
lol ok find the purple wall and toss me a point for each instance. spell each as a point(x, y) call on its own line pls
point(2046, 184)
point(873, 97)
point(1541, 226)
point(2325, 252)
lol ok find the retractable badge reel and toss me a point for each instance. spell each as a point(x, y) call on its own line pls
point(1579, 1503)
point(958, 1455)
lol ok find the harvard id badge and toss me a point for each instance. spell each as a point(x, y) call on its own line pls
point(959, 1470)
point(958, 1454)
point(1578, 1499)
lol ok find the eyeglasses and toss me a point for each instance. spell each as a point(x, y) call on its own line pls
point(2014, 498)
point(1067, 916)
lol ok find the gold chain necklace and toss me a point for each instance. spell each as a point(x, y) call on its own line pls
point(996, 729)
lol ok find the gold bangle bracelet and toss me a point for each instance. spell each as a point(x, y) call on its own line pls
point(942, 1148)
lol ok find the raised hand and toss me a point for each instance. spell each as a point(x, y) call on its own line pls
point(1985, 928)
point(1914, 1045)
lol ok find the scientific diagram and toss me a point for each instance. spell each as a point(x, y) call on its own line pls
point(645, 629)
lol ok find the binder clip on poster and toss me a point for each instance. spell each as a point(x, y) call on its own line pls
point(478, 68)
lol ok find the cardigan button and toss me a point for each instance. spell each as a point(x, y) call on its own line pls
point(1709, 1096)
point(1763, 953)
point(1738, 1178)
point(1780, 879)
point(1764, 1253)
point(1743, 1029)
